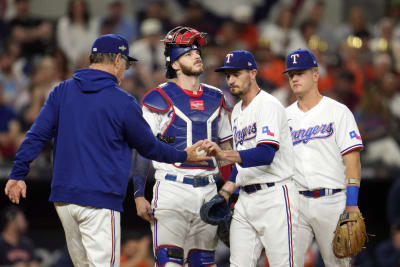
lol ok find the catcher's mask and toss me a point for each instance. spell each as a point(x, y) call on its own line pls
point(179, 41)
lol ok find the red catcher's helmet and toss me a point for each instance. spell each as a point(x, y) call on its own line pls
point(185, 36)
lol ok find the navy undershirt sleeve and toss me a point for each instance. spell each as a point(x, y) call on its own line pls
point(234, 172)
point(262, 154)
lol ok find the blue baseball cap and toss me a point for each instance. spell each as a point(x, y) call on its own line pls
point(300, 59)
point(112, 43)
point(238, 60)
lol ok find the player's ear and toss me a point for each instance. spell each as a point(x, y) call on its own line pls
point(253, 74)
point(175, 65)
point(315, 74)
point(117, 59)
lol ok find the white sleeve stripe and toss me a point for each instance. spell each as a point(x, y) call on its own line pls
point(270, 141)
point(357, 146)
point(221, 140)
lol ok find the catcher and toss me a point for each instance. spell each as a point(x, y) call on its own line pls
point(326, 144)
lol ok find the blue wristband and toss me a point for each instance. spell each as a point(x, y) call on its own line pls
point(352, 195)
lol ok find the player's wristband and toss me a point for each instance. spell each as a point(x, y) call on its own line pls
point(352, 195)
point(226, 192)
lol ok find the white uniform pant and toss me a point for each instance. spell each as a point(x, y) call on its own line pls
point(266, 218)
point(92, 234)
point(177, 223)
point(318, 218)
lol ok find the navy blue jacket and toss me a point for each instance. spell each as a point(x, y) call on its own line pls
point(95, 125)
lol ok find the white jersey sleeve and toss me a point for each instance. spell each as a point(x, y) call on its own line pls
point(269, 123)
point(348, 138)
point(224, 127)
point(263, 121)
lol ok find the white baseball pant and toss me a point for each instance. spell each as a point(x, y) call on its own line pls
point(93, 235)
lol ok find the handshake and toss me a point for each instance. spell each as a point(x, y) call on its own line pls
point(202, 151)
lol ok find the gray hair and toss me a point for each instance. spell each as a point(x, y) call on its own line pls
point(106, 58)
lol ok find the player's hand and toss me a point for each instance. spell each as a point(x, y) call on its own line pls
point(15, 189)
point(213, 149)
point(143, 209)
point(350, 224)
point(196, 155)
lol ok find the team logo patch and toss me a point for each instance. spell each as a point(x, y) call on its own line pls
point(244, 134)
point(312, 133)
point(266, 130)
point(196, 104)
point(353, 134)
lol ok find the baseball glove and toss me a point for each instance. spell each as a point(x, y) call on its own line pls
point(223, 231)
point(216, 211)
point(346, 244)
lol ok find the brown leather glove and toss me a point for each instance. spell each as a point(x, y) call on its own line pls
point(345, 244)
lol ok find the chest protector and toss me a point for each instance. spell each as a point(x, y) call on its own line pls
point(194, 117)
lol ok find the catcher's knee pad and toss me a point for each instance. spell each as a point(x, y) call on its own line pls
point(201, 258)
point(168, 253)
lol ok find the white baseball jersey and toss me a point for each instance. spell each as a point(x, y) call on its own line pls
point(160, 121)
point(263, 121)
point(321, 136)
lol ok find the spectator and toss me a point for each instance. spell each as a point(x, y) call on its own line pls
point(270, 66)
point(76, 32)
point(13, 85)
point(4, 25)
point(34, 35)
point(281, 33)
point(343, 90)
point(357, 25)
point(375, 123)
point(390, 90)
point(149, 49)
point(242, 16)
point(43, 80)
point(157, 9)
point(388, 252)
point(120, 24)
point(135, 251)
point(196, 16)
point(9, 131)
point(15, 249)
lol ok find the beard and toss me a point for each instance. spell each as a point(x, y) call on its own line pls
point(188, 70)
point(238, 92)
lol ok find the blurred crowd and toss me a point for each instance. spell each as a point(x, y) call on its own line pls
point(359, 64)
point(359, 61)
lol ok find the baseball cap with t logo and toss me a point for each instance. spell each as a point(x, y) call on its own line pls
point(238, 60)
point(300, 59)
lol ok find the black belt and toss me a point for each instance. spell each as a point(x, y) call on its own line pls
point(320, 192)
point(255, 187)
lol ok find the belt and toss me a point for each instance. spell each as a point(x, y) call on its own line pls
point(255, 187)
point(194, 181)
point(320, 192)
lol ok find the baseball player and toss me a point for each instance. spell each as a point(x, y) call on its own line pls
point(265, 213)
point(181, 112)
point(326, 144)
point(95, 125)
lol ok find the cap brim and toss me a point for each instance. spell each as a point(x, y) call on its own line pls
point(224, 68)
point(289, 69)
point(132, 59)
